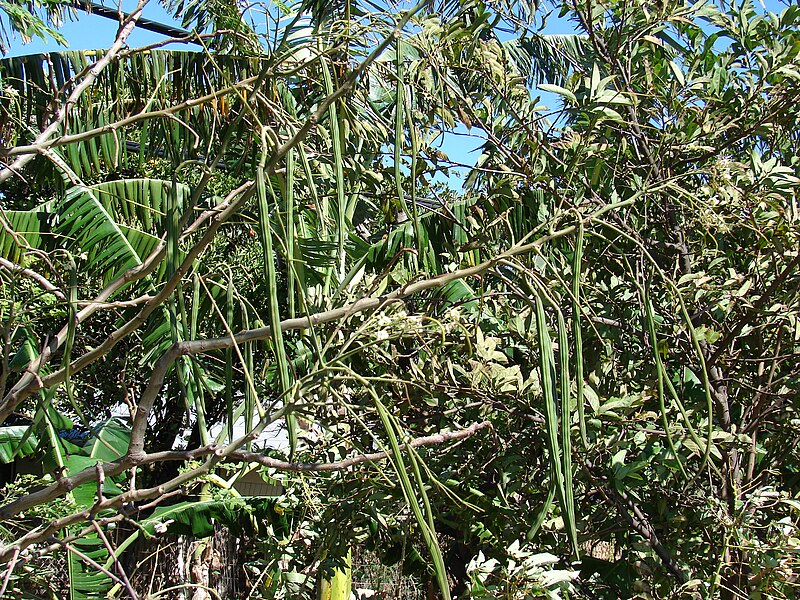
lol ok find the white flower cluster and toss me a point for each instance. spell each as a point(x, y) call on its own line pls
point(530, 573)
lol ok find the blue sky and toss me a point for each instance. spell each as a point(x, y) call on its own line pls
point(91, 32)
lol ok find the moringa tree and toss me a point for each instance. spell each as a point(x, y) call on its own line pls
point(592, 345)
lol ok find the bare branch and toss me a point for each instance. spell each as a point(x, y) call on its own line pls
point(12, 563)
point(31, 274)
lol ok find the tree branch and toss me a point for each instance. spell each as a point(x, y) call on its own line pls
point(634, 516)
point(31, 274)
point(215, 455)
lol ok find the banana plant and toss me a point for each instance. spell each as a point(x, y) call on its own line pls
point(66, 450)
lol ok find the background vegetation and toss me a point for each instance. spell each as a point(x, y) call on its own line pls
point(575, 376)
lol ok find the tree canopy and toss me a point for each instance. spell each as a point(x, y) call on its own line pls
point(571, 373)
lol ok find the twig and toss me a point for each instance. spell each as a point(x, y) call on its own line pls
point(31, 274)
point(11, 564)
point(638, 521)
point(93, 563)
point(733, 332)
point(123, 515)
point(131, 592)
point(214, 454)
point(439, 438)
point(101, 479)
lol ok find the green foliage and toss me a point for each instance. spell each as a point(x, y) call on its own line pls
point(16, 441)
point(218, 245)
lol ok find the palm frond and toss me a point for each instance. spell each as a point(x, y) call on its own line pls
point(550, 58)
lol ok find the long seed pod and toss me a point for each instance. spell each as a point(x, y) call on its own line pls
point(338, 160)
point(199, 396)
point(249, 366)
point(424, 521)
point(229, 359)
point(188, 372)
point(576, 331)
point(290, 231)
point(547, 374)
point(566, 439)
point(274, 313)
point(660, 373)
point(548, 503)
point(399, 130)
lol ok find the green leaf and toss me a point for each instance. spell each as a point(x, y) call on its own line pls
point(86, 582)
point(195, 518)
point(109, 441)
point(557, 89)
point(16, 441)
